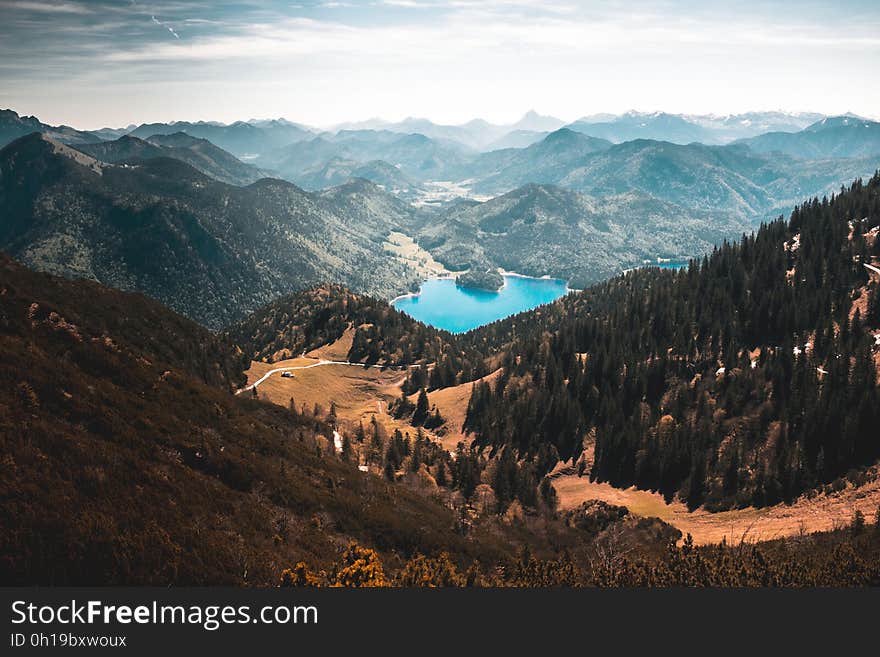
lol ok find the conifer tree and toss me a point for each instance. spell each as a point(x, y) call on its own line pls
point(421, 412)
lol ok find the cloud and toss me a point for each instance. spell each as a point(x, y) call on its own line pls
point(478, 30)
point(448, 58)
point(50, 7)
point(409, 4)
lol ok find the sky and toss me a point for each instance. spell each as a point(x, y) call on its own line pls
point(100, 63)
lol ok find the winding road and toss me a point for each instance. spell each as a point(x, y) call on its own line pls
point(319, 363)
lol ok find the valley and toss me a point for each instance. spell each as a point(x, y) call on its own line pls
point(316, 206)
point(228, 287)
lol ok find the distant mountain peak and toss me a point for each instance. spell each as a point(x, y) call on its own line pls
point(567, 137)
point(360, 185)
point(178, 139)
point(843, 120)
point(535, 122)
point(130, 138)
point(562, 134)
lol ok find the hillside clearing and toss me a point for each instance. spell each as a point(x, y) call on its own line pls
point(360, 394)
point(821, 513)
point(404, 248)
point(452, 403)
point(337, 350)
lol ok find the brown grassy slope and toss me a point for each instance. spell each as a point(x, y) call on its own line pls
point(356, 391)
point(119, 464)
point(360, 394)
point(452, 402)
point(821, 512)
point(337, 350)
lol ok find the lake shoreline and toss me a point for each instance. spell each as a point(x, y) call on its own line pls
point(503, 272)
point(460, 309)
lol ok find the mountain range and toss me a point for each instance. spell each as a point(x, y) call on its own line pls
point(636, 125)
point(338, 170)
point(200, 154)
point(138, 215)
point(13, 126)
point(685, 129)
point(677, 128)
point(418, 156)
point(745, 179)
point(174, 213)
point(730, 179)
point(212, 251)
point(205, 248)
point(241, 138)
point(835, 137)
point(257, 136)
point(125, 211)
point(476, 134)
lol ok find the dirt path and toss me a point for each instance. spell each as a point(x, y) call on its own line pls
point(360, 394)
point(276, 370)
point(315, 363)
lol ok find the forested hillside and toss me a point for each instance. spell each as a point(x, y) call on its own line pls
point(745, 379)
point(211, 251)
point(582, 239)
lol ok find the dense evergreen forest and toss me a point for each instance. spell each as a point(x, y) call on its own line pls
point(747, 378)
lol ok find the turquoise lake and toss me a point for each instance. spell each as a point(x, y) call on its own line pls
point(444, 305)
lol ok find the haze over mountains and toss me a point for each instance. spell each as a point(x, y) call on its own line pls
point(841, 136)
point(201, 154)
point(684, 129)
point(477, 134)
point(256, 136)
point(173, 208)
